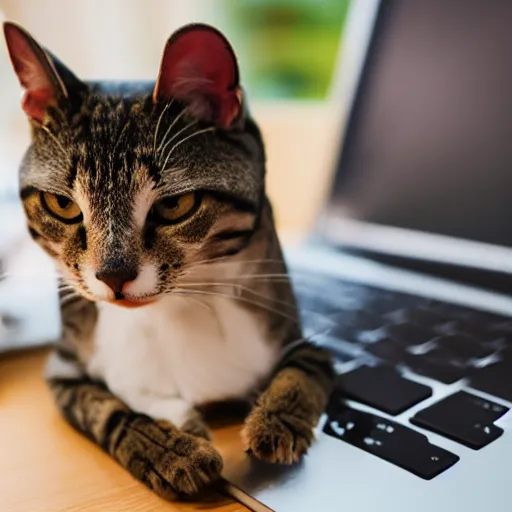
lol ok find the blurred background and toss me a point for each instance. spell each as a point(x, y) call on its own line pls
point(291, 54)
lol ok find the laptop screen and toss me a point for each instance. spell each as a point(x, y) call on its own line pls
point(428, 145)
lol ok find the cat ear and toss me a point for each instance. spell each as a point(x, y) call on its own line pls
point(199, 67)
point(41, 83)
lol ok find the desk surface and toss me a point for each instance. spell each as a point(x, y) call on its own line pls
point(46, 466)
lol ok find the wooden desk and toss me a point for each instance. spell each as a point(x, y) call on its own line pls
point(45, 466)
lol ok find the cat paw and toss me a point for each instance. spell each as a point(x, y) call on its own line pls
point(276, 437)
point(196, 468)
point(196, 427)
point(193, 425)
point(180, 467)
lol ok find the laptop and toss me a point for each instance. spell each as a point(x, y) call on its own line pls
point(406, 276)
point(408, 273)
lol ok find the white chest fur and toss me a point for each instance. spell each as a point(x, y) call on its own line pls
point(180, 349)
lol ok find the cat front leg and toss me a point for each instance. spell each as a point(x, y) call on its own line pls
point(169, 461)
point(280, 428)
point(172, 409)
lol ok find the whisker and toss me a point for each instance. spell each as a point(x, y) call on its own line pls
point(210, 310)
point(247, 289)
point(67, 291)
point(66, 285)
point(297, 307)
point(225, 261)
point(179, 132)
point(64, 281)
point(69, 298)
point(268, 276)
point(242, 299)
point(273, 279)
point(206, 263)
point(71, 294)
point(176, 119)
point(293, 274)
point(285, 278)
point(63, 292)
point(54, 138)
point(158, 125)
point(203, 304)
point(294, 279)
point(233, 279)
point(199, 132)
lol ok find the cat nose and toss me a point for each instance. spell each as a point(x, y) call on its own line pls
point(116, 278)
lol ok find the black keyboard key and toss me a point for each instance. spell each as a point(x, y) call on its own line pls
point(389, 441)
point(360, 320)
point(419, 316)
point(388, 350)
point(381, 387)
point(448, 310)
point(506, 355)
point(463, 417)
point(441, 355)
point(386, 303)
point(489, 318)
point(445, 371)
point(473, 326)
point(350, 325)
point(409, 334)
point(461, 347)
point(495, 379)
point(503, 330)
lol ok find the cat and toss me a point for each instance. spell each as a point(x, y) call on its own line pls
point(150, 197)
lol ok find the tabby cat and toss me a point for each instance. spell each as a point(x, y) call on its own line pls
point(174, 294)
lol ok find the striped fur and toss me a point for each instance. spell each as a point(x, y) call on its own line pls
point(115, 152)
point(168, 460)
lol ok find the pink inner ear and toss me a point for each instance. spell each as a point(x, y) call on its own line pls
point(200, 68)
point(39, 91)
point(35, 103)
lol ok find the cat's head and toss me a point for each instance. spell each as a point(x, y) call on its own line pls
point(128, 185)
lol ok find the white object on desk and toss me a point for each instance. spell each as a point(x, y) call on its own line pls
point(29, 291)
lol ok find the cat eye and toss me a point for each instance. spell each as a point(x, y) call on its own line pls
point(172, 210)
point(61, 207)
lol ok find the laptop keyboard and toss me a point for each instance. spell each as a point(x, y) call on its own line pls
point(379, 338)
point(382, 387)
point(494, 379)
point(389, 441)
point(463, 417)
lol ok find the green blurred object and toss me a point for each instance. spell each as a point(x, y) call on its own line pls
point(287, 48)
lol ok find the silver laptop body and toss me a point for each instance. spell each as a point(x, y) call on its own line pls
point(419, 211)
